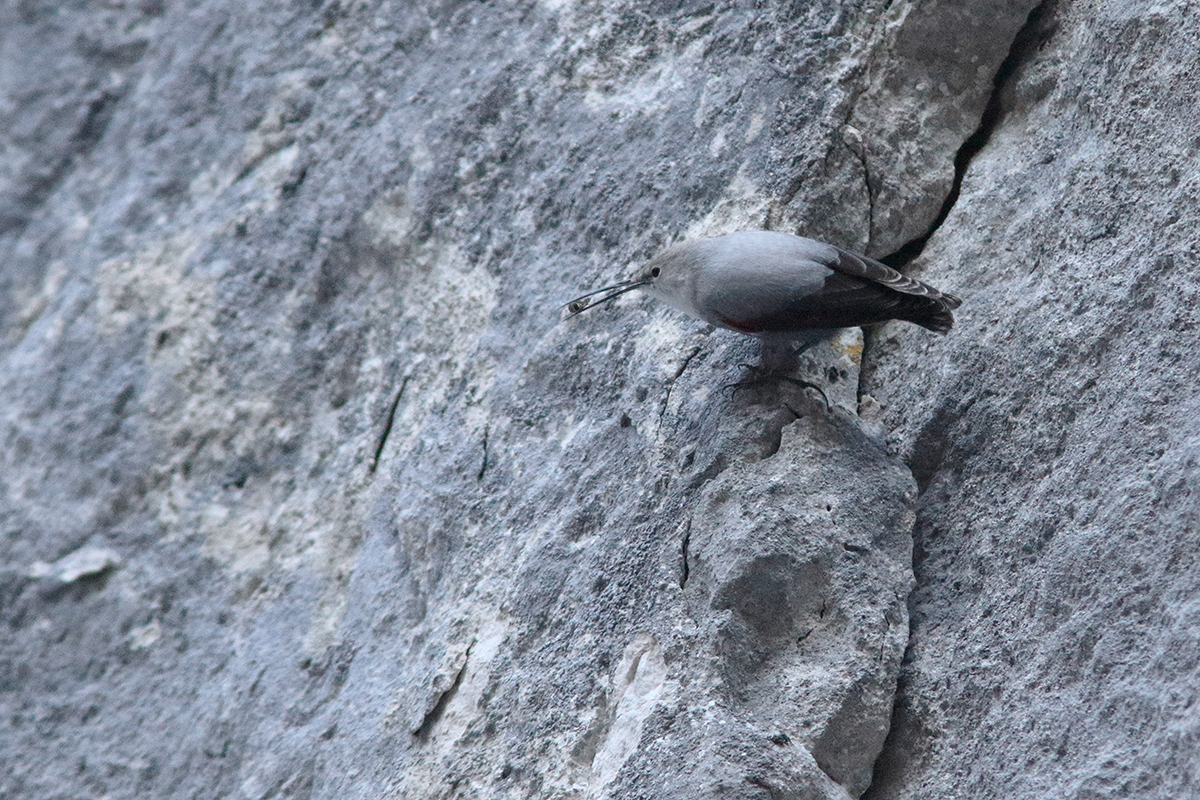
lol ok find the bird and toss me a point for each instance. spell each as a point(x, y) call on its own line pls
point(783, 289)
point(778, 286)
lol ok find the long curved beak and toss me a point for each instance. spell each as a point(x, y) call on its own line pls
point(583, 302)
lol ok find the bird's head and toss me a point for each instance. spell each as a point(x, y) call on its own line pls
point(670, 276)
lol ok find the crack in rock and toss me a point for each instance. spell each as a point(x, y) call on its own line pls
point(387, 430)
point(1038, 28)
point(439, 708)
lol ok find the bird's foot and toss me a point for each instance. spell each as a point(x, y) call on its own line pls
point(759, 376)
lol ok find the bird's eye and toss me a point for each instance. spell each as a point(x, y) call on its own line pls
point(655, 272)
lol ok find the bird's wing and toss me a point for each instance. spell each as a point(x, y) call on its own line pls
point(841, 301)
point(856, 266)
point(766, 282)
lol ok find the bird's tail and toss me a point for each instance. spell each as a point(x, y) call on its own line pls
point(932, 313)
point(939, 320)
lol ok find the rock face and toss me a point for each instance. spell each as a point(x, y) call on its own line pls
point(307, 491)
point(1055, 639)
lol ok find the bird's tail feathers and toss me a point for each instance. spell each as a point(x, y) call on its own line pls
point(938, 319)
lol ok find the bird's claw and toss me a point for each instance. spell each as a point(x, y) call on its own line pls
point(763, 378)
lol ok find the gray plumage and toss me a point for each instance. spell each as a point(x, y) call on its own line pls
point(770, 284)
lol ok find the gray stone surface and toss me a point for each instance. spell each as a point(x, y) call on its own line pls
point(306, 490)
point(1055, 622)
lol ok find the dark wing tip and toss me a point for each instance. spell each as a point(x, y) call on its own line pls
point(939, 321)
point(858, 266)
point(950, 300)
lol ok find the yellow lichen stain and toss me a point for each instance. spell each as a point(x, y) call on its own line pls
point(849, 345)
point(851, 350)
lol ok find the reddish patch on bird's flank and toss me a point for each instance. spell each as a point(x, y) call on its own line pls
point(744, 327)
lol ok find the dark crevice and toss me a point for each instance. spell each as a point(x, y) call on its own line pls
point(387, 425)
point(291, 187)
point(685, 570)
point(898, 748)
point(439, 708)
point(99, 114)
point(484, 465)
point(715, 468)
point(904, 734)
point(1038, 28)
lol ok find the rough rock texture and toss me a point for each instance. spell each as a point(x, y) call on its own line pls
point(306, 490)
point(1056, 623)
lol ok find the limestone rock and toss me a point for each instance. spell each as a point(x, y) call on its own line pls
point(1056, 447)
point(306, 490)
